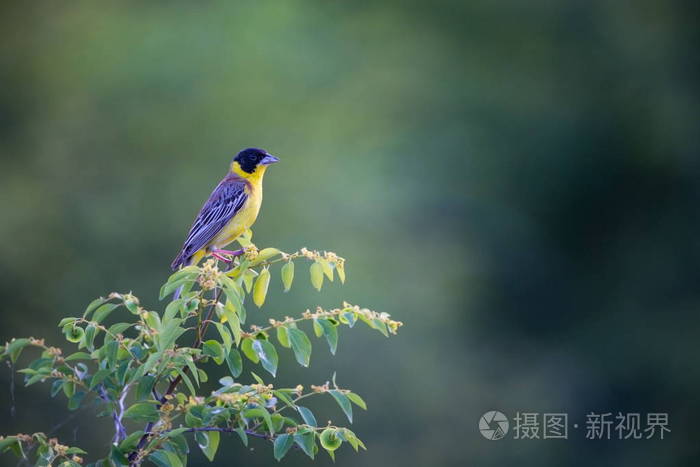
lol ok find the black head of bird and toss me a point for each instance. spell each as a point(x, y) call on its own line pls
point(252, 160)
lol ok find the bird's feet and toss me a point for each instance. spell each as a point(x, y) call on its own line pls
point(226, 255)
point(220, 257)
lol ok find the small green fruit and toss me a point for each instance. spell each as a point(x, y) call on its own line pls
point(329, 440)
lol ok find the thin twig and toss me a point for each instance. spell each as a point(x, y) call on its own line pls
point(120, 435)
point(117, 413)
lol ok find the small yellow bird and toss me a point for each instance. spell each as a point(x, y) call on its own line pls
point(230, 210)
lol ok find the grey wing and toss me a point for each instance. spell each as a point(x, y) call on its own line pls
point(225, 201)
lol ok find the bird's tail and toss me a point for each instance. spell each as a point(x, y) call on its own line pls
point(180, 260)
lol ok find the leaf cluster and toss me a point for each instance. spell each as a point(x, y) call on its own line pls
point(147, 367)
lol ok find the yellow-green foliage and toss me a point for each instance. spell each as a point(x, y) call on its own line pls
point(154, 360)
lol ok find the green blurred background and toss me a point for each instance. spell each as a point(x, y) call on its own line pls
point(516, 181)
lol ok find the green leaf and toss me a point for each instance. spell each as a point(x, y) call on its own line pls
point(164, 458)
point(243, 435)
point(264, 255)
point(124, 367)
point(190, 306)
point(7, 441)
point(260, 288)
point(343, 402)
point(103, 311)
point(242, 314)
point(233, 291)
point(69, 464)
point(307, 416)
point(347, 435)
point(229, 313)
point(169, 334)
point(287, 274)
point(117, 457)
point(93, 305)
point(283, 397)
point(129, 444)
point(65, 321)
point(15, 347)
point(192, 420)
point(316, 272)
point(151, 362)
point(306, 440)
point(208, 442)
point(318, 330)
point(257, 378)
point(212, 348)
point(247, 348)
point(76, 399)
point(89, 338)
point(189, 361)
point(110, 352)
point(340, 267)
point(330, 331)
point(301, 346)
point(142, 411)
point(350, 318)
point(357, 400)
point(78, 356)
point(34, 379)
point(100, 376)
point(145, 387)
point(69, 389)
point(248, 277)
point(235, 363)
point(277, 422)
point(282, 445)
point(12, 443)
point(380, 326)
point(267, 354)
point(327, 269)
point(170, 287)
point(283, 337)
point(226, 381)
point(176, 432)
point(226, 339)
point(260, 413)
point(245, 238)
point(118, 328)
point(188, 272)
point(172, 309)
point(56, 387)
point(75, 450)
point(188, 381)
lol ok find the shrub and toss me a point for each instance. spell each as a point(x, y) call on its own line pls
point(147, 366)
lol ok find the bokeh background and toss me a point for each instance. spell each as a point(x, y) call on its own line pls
point(516, 181)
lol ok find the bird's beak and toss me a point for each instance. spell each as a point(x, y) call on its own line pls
point(269, 159)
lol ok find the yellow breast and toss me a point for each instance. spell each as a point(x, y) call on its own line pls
point(242, 221)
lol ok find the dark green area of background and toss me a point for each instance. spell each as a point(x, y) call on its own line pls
point(516, 181)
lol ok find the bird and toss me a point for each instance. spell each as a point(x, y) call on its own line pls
point(231, 209)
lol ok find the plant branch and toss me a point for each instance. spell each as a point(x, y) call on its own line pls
point(117, 413)
point(201, 332)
